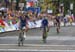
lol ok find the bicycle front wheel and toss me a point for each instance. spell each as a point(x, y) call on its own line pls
point(21, 38)
point(44, 35)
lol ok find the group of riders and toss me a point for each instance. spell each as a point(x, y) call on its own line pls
point(44, 25)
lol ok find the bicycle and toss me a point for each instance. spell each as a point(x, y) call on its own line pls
point(21, 38)
point(58, 28)
point(45, 34)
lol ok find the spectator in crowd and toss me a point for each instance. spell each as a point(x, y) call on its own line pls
point(2, 25)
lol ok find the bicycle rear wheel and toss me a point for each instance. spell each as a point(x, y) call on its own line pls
point(58, 30)
point(44, 35)
point(21, 39)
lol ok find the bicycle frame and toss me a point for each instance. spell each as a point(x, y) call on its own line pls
point(44, 34)
point(21, 38)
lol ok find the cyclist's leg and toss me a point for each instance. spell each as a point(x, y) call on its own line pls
point(19, 39)
point(57, 30)
point(44, 34)
point(25, 31)
point(64, 24)
point(19, 42)
point(21, 35)
point(26, 26)
point(22, 42)
point(58, 27)
point(47, 28)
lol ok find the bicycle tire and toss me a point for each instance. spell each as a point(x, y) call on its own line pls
point(44, 35)
point(44, 39)
point(21, 39)
point(58, 30)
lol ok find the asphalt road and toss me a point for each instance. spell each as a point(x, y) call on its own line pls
point(63, 42)
point(65, 31)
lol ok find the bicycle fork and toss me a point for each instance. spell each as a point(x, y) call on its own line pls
point(21, 39)
point(44, 35)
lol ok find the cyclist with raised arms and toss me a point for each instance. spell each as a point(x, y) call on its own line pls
point(23, 23)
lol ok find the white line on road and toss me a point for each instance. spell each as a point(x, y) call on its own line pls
point(35, 45)
point(35, 50)
point(40, 37)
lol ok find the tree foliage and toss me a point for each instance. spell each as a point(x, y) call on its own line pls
point(67, 5)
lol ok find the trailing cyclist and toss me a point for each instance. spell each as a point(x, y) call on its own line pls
point(45, 28)
point(58, 23)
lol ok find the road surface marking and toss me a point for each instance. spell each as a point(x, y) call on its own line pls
point(35, 50)
point(40, 38)
point(34, 45)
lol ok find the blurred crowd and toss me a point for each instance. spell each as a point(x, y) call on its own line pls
point(11, 17)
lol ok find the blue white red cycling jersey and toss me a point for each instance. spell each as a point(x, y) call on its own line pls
point(22, 22)
point(44, 22)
